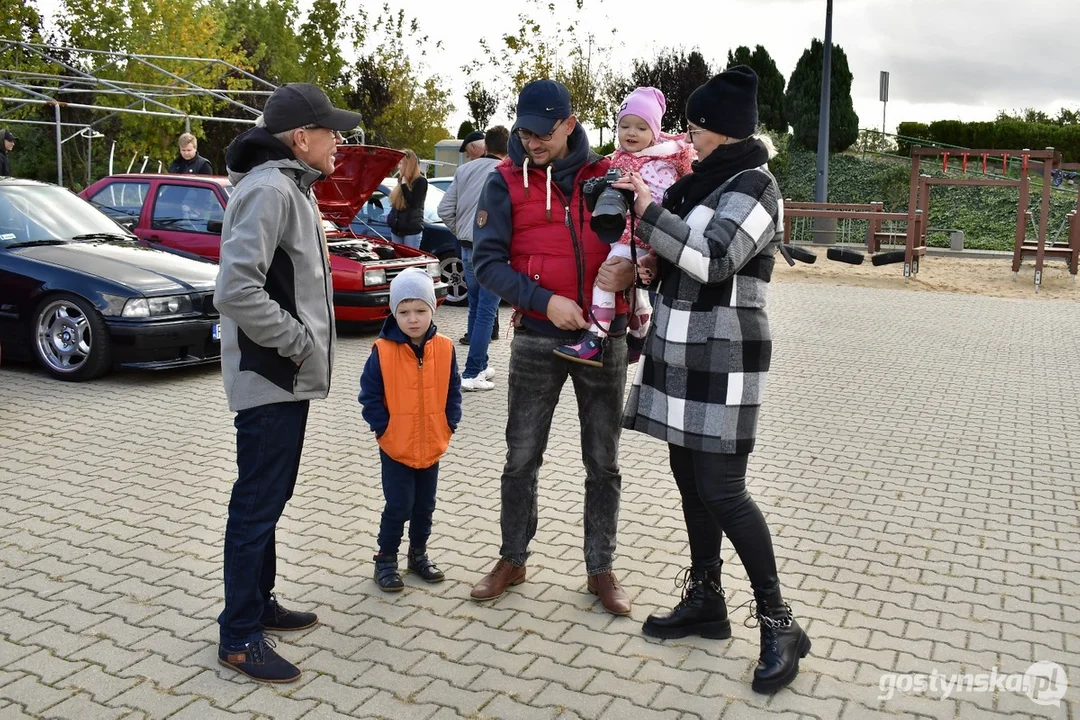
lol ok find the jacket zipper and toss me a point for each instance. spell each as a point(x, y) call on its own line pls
point(423, 414)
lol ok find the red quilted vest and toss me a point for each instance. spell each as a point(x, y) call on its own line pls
point(542, 247)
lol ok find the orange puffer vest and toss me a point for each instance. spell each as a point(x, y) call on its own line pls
point(541, 246)
point(416, 391)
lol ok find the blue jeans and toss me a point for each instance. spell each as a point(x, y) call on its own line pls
point(483, 309)
point(269, 442)
point(410, 497)
point(537, 376)
point(412, 241)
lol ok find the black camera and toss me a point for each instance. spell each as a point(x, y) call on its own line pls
point(608, 205)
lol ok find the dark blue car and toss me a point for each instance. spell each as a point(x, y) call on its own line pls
point(437, 240)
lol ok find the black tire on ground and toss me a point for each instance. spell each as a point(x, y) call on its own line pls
point(70, 339)
point(452, 271)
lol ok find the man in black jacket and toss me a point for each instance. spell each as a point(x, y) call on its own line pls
point(6, 146)
point(189, 161)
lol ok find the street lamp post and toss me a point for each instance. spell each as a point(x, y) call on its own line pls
point(821, 190)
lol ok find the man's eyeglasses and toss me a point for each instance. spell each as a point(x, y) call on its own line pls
point(690, 132)
point(527, 135)
point(338, 137)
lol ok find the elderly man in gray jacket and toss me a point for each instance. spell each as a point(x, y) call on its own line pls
point(458, 210)
point(275, 297)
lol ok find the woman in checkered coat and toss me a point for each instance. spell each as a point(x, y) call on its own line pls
point(705, 359)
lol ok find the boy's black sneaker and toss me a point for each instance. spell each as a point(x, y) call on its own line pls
point(276, 617)
point(259, 662)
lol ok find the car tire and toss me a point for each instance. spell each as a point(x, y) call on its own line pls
point(70, 339)
point(452, 272)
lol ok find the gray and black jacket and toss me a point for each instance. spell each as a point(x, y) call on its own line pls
point(274, 289)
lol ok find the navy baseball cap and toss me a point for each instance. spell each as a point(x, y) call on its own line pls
point(540, 105)
point(7, 135)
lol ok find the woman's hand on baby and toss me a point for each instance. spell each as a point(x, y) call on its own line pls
point(642, 195)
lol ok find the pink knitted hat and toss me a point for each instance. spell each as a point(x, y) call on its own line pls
point(647, 103)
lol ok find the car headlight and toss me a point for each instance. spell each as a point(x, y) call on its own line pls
point(157, 306)
point(434, 270)
point(374, 277)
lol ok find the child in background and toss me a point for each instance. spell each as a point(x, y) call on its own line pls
point(411, 393)
point(661, 159)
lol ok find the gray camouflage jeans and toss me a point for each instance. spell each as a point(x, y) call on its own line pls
point(536, 379)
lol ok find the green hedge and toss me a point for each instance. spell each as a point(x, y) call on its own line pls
point(1003, 134)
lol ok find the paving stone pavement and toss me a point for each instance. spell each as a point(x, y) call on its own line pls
point(919, 463)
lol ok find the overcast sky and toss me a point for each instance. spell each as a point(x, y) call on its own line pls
point(948, 59)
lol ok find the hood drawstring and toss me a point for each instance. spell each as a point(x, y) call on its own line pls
point(549, 193)
point(525, 176)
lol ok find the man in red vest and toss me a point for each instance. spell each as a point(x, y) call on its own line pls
point(532, 246)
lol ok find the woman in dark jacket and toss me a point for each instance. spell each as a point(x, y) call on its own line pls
point(407, 203)
point(705, 359)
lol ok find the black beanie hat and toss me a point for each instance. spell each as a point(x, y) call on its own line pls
point(727, 103)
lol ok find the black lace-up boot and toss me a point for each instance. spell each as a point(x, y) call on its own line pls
point(702, 610)
point(783, 643)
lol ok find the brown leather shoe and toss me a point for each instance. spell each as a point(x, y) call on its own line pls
point(612, 596)
point(494, 584)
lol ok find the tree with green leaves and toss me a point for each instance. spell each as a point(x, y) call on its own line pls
point(482, 103)
point(464, 129)
point(415, 107)
point(674, 72)
point(320, 53)
point(770, 85)
point(802, 100)
point(546, 44)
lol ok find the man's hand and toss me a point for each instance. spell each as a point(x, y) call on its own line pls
point(615, 275)
point(565, 314)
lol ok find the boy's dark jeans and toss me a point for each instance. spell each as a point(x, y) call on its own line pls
point(410, 497)
point(536, 379)
point(269, 441)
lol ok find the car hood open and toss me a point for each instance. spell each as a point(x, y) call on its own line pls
point(358, 171)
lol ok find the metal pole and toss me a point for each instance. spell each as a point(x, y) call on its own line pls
point(883, 106)
point(821, 190)
point(59, 149)
point(89, 155)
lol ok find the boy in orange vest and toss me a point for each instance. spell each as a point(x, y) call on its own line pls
point(411, 393)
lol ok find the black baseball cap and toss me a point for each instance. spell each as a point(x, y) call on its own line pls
point(295, 105)
point(471, 138)
point(8, 136)
point(540, 105)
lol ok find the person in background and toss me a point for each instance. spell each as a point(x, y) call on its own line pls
point(189, 161)
point(6, 145)
point(406, 218)
point(458, 210)
point(473, 146)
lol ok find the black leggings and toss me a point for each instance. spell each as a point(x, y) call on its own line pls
point(715, 500)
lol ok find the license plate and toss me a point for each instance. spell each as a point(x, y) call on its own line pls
point(215, 331)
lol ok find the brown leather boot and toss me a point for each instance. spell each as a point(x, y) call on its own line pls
point(612, 596)
point(502, 576)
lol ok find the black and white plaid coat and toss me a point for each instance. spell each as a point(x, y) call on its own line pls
point(702, 373)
